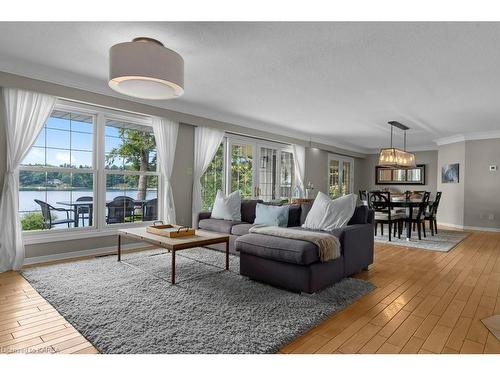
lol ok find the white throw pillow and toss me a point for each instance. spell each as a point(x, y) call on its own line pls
point(328, 214)
point(227, 208)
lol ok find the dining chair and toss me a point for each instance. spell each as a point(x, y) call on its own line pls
point(82, 210)
point(48, 218)
point(418, 221)
point(119, 209)
point(363, 197)
point(381, 203)
point(151, 210)
point(431, 215)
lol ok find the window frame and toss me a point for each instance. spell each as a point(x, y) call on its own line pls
point(341, 159)
point(224, 144)
point(99, 227)
point(256, 143)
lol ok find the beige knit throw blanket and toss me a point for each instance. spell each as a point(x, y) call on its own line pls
point(328, 245)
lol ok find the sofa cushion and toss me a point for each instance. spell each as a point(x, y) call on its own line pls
point(241, 229)
point(271, 215)
point(360, 216)
point(217, 225)
point(328, 214)
point(294, 215)
point(227, 207)
point(248, 209)
point(278, 248)
point(304, 210)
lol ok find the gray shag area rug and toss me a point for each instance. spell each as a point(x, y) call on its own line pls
point(130, 307)
point(444, 240)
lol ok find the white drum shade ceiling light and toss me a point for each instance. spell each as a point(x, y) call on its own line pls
point(144, 68)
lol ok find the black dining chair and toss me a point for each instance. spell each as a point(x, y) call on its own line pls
point(418, 221)
point(363, 197)
point(431, 215)
point(119, 209)
point(83, 210)
point(48, 218)
point(381, 203)
point(151, 210)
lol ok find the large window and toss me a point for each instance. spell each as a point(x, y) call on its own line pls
point(78, 147)
point(57, 172)
point(258, 169)
point(130, 169)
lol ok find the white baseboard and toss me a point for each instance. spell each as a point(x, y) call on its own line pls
point(482, 229)
point(457, 226)
point(77, 254)
point(466, 227)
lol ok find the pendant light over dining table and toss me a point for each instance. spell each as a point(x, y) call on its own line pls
point(393, 157)
point(144, 68)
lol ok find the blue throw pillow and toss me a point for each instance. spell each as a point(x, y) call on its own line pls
point(271, 215)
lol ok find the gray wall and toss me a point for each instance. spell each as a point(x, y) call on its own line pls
point(365, 173)
point(451, 208)
point(3, 145)
point(182, 174)
point(316, 169)
point(481, 186)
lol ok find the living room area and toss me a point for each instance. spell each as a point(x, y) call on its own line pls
point(249, 188)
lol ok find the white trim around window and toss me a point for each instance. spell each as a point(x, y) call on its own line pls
point(99, 228)
point(341, 159)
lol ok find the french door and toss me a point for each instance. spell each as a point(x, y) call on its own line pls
point(340, 175)
point(259, 170)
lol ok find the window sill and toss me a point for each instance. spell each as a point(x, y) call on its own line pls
point(74, 234)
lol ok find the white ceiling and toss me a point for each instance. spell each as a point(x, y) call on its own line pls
point(337, 82)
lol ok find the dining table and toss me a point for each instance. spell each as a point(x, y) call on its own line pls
point(409, 204)
point(75, 205)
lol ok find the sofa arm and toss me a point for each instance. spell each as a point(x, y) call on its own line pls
point(201, 215)
point(357, 247)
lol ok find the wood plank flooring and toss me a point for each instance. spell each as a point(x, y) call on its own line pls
point(425, 302)
point(29, 324)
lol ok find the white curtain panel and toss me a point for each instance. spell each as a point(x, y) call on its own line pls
point(25, 113)
point(165, 132)
point(299, 161)
point(206, 142)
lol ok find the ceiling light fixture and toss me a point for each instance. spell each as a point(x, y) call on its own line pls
point(144, 68)
point(393, 157)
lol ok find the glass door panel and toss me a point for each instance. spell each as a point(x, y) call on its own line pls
point(333, 177)
point(340, 175)
point(287, 175)
point(346, 178)
point(266, 188)
point(241, 173)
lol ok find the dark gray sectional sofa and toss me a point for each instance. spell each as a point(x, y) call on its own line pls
point(294, 264)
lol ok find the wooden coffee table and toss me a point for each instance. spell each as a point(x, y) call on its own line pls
point(201, 238)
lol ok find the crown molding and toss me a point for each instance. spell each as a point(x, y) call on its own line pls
point(422, 148)
point(452, 139)
point(467, 137)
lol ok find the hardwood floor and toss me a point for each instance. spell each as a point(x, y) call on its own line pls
point(29, 324)
point(425, 302)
